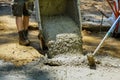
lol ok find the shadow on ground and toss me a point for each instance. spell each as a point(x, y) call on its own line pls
point(9, 72)
point(8, 37)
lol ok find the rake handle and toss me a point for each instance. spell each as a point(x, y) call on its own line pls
point(107, 34)
point(114, 11)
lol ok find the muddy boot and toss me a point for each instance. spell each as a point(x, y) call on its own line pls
point(22, 39)
point(26, 35)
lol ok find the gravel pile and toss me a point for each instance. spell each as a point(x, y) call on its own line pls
point(65, 43)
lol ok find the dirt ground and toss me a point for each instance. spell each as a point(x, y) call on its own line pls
point(30, 59)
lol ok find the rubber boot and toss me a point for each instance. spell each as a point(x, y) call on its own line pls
point(22, 39)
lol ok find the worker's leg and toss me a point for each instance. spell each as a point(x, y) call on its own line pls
point(21, 32)
point(18, 12)
point(19, 23)
point(26, 24)
point(27, 8)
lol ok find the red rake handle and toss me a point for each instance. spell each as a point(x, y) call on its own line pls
point(116, 13)
point(116, 10)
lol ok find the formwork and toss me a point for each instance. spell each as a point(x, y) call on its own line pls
point(61, 26)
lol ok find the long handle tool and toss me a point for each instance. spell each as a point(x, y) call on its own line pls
point(90, 57)
point(43, 45)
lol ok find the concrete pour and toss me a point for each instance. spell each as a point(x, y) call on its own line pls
point(62, 35)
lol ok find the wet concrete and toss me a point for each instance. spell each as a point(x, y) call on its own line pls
point(40, 71)
point(62, 35)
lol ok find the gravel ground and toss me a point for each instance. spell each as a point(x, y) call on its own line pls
point(39, 71)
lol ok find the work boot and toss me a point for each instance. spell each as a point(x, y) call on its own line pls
point(26, 35)
point(22, 39)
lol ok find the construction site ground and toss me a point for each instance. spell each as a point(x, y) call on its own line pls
point(27, 63)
